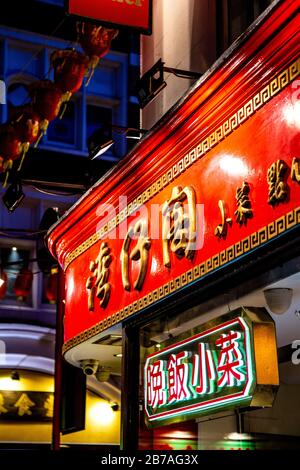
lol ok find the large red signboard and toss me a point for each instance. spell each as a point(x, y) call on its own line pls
point(125, 13)
point(220, 179)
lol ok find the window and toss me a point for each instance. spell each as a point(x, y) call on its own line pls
point(234, 17)
point(62, 129)
point(97, 117)
point(17, 95)
point(13, 260)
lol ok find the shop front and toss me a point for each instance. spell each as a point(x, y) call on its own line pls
point(188, 250)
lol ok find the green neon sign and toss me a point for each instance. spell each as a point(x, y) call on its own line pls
point(212, 370)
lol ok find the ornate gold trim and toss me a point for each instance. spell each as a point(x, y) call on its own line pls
point(283, 79)
point(256, 239)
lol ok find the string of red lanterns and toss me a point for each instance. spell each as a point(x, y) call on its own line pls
point(28, 124)
point(23, 285)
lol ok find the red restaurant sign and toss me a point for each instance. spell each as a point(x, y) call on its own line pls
point(127, 13)
point(218, 180)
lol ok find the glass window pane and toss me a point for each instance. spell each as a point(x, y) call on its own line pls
point(9, 261)
point(63, 130)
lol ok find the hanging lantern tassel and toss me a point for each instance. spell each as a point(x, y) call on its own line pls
point(23, 284)
point(92, 66)
point(7, 166)
point(25, 147)
point(43, 131)
point(64, 103)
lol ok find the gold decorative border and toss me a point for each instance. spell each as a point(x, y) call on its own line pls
point(262, 97)
point(256, 239)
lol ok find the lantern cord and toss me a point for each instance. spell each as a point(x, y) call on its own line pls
point(24, 234)
point(40, 50)
point(6, 179)
point(44, 191)
point(22, 161)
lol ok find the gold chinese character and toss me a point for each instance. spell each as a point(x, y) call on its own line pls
point(221, 229)
point(278, 189)
point(244, 210)
point(179, 224)
point(2, 408)
point(139, 253)
point(24, 404)
point(97, 281)
point(48, 405)
point(295, 171)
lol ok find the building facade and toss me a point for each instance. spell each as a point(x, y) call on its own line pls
point(188, 250)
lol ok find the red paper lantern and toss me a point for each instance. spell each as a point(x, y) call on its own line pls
point(51, 287)
point(10, 144)
point(95, 41)
point(26, 123)
point(3, 284)
point(69, 70)
point(46, 101)
point(23, 284)
point(27, 126)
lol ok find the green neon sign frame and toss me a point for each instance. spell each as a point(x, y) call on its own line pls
point(160, 405)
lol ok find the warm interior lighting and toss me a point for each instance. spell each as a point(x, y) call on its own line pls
point(6, 383)
point(118, 355)
point(1, 282)
point(236, 436)
point(102, 413)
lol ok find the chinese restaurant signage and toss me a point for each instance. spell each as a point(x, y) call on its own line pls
point(217, 181)
point(26, 406)
point(217, 369)
point(135, 14)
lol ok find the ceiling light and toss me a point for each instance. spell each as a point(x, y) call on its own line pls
point(14, 248)
point(118, 355)
point(101, 413)
point(278, 299)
